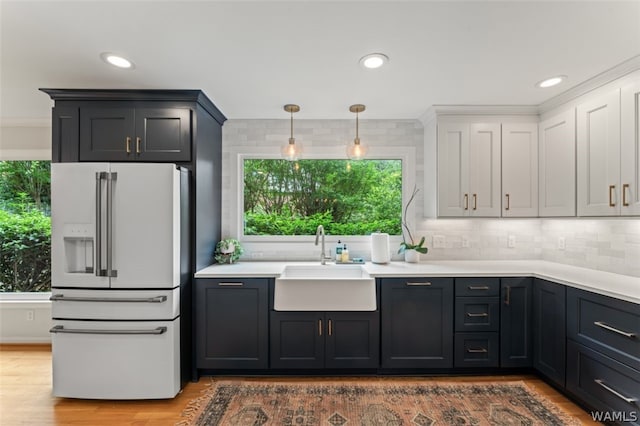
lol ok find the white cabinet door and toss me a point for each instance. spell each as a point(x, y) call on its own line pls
point(558, 165)
point(453, 169)
point(598, 143)
point(146, 225)
point(520, 170)
point(630, 149)
point(484, 169)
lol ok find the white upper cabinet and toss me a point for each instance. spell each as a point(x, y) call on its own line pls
point(519, 170)
point(468, 169)
point(557, 165)
point(630, 149)
point(598, 142)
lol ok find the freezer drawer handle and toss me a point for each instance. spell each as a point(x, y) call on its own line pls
point(615, 392)
point(61, 329)
point(615, 330)
point(482, 314)
point(156, 299)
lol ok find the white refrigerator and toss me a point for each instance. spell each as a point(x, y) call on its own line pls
point(115, 237)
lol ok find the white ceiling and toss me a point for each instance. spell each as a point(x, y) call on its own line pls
point(251, 58)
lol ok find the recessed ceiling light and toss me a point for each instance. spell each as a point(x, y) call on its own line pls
point(374, 60)
point(116, 60)
point(550, 82)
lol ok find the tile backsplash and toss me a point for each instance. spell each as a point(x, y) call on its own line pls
point(608, 244)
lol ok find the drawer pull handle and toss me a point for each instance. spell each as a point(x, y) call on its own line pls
point(418, 284)
point(61, 329)
point(625, 203)
point(62, 297)
point(615, 330)
point(330, 327)
point(319, 327)
point(616, 393)
point(477, 351)
point(483, 314)
point(466, 201)
point(507, 299)
point(478, 287)
point(231, 284)
point(138, 140)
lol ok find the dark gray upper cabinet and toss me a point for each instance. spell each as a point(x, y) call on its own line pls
point(516, 306)
point(309, 340)
point(549, 330)
point(232, 317)
point(110, 133)
point(416, 322)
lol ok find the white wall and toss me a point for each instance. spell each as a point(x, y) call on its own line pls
point(25, 318)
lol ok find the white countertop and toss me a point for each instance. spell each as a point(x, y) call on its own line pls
point(609, 284)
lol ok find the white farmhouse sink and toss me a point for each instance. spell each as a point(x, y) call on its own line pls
point(324, 288)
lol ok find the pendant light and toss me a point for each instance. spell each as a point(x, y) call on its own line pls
point(291, 151)
point(355, 150)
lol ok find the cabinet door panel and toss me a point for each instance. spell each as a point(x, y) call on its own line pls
point(520, 170)
point(598, 141)
point(515, 322)
point(558, 165)
point(231, 323)
point(297, 339)
point(549, 330)
point(630, 149)
point(484, 170)
point(453, 169)
point(353, 340)
point(417, 322)
point(164, 134)
point(106, 134)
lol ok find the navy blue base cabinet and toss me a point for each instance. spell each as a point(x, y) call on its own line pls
point(516, 304)
point(549, 330)
point(417, 322)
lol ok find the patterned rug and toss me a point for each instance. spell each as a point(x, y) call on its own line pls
point(254, 403)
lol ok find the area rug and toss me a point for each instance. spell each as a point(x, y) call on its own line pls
point(254, 403)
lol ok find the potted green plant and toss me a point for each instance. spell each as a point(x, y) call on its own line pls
point(228, 251)
point(408, 245)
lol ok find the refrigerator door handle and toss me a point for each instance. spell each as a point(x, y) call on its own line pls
point(61, 329)
point(110, 178)
point(98, 266)
point(62, 297)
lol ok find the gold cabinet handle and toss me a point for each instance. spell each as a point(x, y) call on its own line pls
point(128, 145)
point(611, 188)
point(330, 327)
point(319, 327)
point(624, 195)
point(508, 202)
point(466, 201)
point(475, 201)
point(138, 140)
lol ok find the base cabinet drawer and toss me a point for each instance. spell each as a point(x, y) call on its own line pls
point(476, 350)
point(610, 326)
point(477, 314)
point(612, 389)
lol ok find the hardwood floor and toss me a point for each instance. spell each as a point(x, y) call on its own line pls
point(25, 396)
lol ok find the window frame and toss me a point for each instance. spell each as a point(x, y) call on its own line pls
point(238, 154)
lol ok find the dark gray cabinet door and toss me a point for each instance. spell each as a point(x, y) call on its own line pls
point(65, 140)
point(297, 339)
point(135, 134)
point(163, 134)
point(515, 322)
point(232, 323)
point(416, 322)
point(107, 134)
point(352, 340)
point(549, 330)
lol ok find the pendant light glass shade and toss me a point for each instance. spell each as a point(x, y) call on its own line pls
point(291, 151)
point(356, 150)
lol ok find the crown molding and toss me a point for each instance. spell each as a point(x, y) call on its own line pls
point(440, 110)
point(591, 84)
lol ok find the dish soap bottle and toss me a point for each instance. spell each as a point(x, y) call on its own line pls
point(339, 252)
point(345, 254)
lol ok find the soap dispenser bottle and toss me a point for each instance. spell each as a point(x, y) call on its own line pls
point(345, 254)
point(339, 252)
